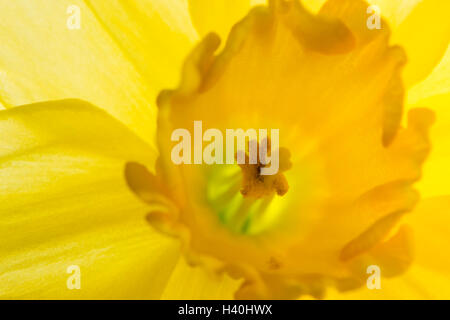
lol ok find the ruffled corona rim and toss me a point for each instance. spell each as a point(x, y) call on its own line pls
point(382, 239)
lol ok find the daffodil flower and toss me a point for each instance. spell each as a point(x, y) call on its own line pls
point(86, 174)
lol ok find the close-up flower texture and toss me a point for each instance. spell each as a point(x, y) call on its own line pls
point(93, 206)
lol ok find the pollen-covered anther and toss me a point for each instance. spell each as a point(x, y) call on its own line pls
point(255, 185)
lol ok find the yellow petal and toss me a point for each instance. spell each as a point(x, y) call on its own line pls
point(425, 35)
point(217, 15)
point(436, 173)
point(155, 35)
point(422, 28)
point(429, 276)
point(195, 283)
point(43, 59)
point(417, 283)
point(395, 11)
point(434, 93)
point(431, 225)
point(64, 202)
point(437, 83)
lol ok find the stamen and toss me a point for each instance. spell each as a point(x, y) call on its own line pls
point(255, 185)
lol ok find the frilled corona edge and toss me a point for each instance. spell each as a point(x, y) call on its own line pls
point(379, 239)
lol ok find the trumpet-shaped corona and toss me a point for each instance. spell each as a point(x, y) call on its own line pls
point(347, 165)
